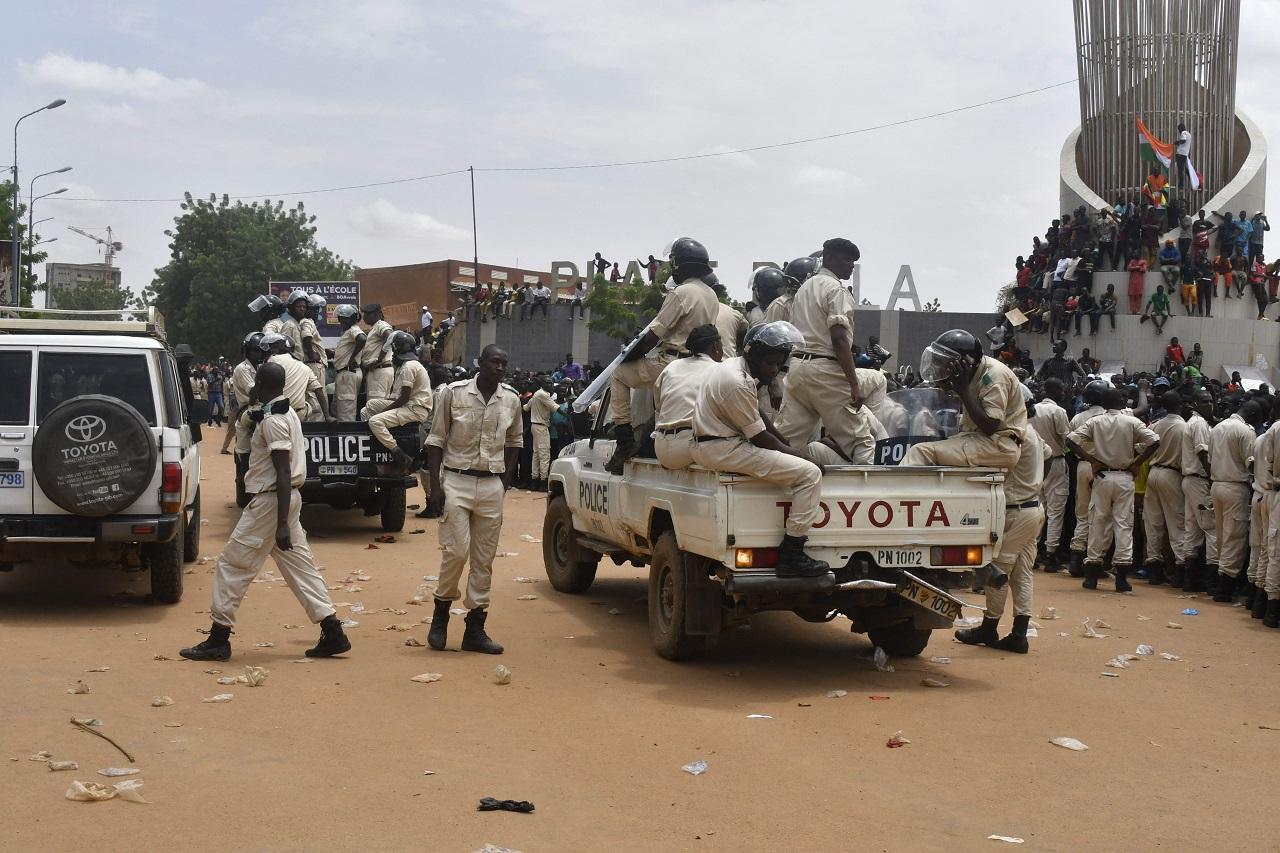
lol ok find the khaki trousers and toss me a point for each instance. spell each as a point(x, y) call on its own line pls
point(321, 374)
point(253, 540)
point(346, 388)
point(1054, 492)
point(1231, 521)
point(739, 456)
point(469, 530)
point(1259, 534)
point(1111, 516)
point(641, 373)
point(966, 450)
point(675, 452)
point(541, 450)
point(1017, 556)
point(375, 406)
point(377, 383)
point(382, 423)
point(1272, 585)
point(1084, 490)
point(1163, 518)
point(1200, 524)
point(816, 394)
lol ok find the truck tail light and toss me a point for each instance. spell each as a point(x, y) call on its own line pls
point(171, 487)
point(755, 558)
point(955, 555)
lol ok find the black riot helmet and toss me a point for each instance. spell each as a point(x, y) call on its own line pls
point(267, 305)
point(688, 259)
point(402, 346)
point(942, 359)
point(767, 284)
point(250, 348)
point(1094, 391)
point(800, 269)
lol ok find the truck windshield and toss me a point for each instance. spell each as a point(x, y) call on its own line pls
point(64, 375)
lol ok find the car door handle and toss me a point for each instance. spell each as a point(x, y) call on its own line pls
point(13, 436)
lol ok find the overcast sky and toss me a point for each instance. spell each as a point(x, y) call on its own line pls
point(262, 98)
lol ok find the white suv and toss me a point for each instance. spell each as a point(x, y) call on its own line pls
point(97, 457)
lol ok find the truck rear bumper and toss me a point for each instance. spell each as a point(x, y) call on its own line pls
point(31, 537)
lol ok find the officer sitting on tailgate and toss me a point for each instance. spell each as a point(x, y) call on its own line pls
point(994, 413)
point(412, 404)
point(730, 436)
point(268, 308)
point(675, 396)
point(346, 382)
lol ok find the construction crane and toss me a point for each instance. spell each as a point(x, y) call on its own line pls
point(109, 246)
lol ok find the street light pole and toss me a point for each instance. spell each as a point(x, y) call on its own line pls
point(31, 209)
point(16, 295)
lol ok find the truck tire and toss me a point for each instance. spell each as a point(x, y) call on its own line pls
point(570, 567)
point(165, 561)
point(393, 507)
point(667, 603)
point(191, 541)
point(94, 455)
point(902, 640)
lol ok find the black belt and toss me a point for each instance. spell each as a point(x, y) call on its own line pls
point(674, 353)
point(1161, 465)
point(472, 472)
point(1234, 482)
point(377, 366)
point(1115, 470)
point(702, 438)
point(674, 431)
point(805, 356)
point(1024, 505)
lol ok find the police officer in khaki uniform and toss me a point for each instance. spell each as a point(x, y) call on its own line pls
point(1016, 555)
point(374, 358)
point(1049, 418)
point(306, 395)
point(348, 376)
point(1196, 508)
point(1271, 584)
point(796, 273)
point(412, 405)
point(1115, 444)
point(1259, 521)
point(730, 436)
point(732, 325)
point(1162, 506)
point(1231, 457)
point(268, 308)
point(540, 406)
point(822, 384)
point(675, 396)
point(313, 354)
point(296, 304)
point(994, 412)
point(242, 379)
point(1093, 392)
point(692, 304)
point(476, 437)
point(270, 526)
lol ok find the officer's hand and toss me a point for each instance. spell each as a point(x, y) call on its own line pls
point(855, 396)
point(282, 539)
point(328, 418)
point(435, 504)
point(1095, 466)
point(1133, 471)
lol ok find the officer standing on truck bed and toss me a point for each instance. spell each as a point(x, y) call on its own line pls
point(296, 306)
point(271, 526)
point(412, 405)
point(313, 354)
point(268, 308)
point(373, 356)
point(476, 437)
point(347, 378)
point(675, 396)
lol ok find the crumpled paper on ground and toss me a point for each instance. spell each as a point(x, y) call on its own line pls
point(881, 659)
point(80, 687)
point(63, 765)
point(427, 677)
point(218, 699)
point(501, 674)
point(1068, 743)
point(119, 771)
point(92, 792)
point(1086, 630)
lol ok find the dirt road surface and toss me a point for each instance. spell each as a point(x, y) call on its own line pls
point(594, 728)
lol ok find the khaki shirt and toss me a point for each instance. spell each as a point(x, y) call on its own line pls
point(372, 356)
point(731, 326)
point(1022, 482)
point(276, 432)
point(1271, 456)
point(1170, 429)
point(779, 309)
point(999, 393)
point(1114, 438)
point(346, 348)
point(684, 309)
point(293, 331)
point(1085, 415)
point(1195, 438)
point(675, 393)
point(1050, 423)
point(873, 386)
point(540, 406)
point(1261, 465)
point(822, 303)
point(299, 382)
point(242, 381)
point(312, 342)
point(413, 375)
point(474, 433)
point(272, 327)
point(728, 405)
point(1231, 450)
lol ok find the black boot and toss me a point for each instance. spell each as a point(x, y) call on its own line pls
point(793, 562)
point(623, 450)
point(1252, 597)
point(1016, 640)
point(1272, 619)
point(1193, 581)
point(1259, 605)
point(1122, 577)
point(333, 640)
point(1209, 576)
point(983, 635)
point(1175, 575)
point(1158, 577)
point(1092, 571)
point(1226, 591)
point(1052, 563)
point(474, 639)
point(1076, 567)
point(439, 633)
point(216, 647)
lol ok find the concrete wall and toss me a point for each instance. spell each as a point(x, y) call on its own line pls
point(539, 343)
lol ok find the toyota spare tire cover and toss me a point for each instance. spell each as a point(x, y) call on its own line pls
point(94, 455)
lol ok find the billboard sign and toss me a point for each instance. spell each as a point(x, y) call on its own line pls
point(335, 293)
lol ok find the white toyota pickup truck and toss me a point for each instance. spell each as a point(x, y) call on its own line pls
point(896, 538)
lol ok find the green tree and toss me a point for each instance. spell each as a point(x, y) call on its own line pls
point(28, 257)
point(933, 306)
point(221, 256)
point(99, 294)
point(621, 310)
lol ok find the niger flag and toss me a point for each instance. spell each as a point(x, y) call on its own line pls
point(1151, 148)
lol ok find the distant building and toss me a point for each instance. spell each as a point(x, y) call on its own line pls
point(440, 285)
point(63, 278)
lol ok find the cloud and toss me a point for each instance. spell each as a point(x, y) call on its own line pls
point(116, 115)
point(382, 219)
point(59, 69)
point(827, 181)
point(373, 29)
point(736, 159)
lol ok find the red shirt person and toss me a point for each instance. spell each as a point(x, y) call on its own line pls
point(1137, 284)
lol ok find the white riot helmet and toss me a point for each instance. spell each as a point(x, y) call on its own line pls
point(345, 312)
point(295, 295)
point(779, 335)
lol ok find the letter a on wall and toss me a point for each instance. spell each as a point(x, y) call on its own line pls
point(904, 288)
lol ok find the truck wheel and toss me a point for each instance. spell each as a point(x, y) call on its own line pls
point(393, 509)
point(667, 603)
point(570, 568)
point(165, 561)
point(191, 541)
point(903, 640)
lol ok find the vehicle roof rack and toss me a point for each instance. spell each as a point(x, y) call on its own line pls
point(143, 322)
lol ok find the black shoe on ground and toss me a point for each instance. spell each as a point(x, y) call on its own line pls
point(333, 640)
point(1016, 640)
point(1175, 575)
point(1092, 571)
point(982, 635)
point(438, 636)
point(1052, 563)
point(1226, 591)
point(1251, 597)
point(1259, 609)
point(624, 449)
point(1193, 580)
point(1157, 574)
point(793, 562)
point(426, 513)
point(1076, 566)
point(216, 647)
point(474, 639)
point(1122, 579)
point(1272, 619)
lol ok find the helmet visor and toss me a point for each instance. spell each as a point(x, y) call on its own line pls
point(938, 363)
point(259, 303)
